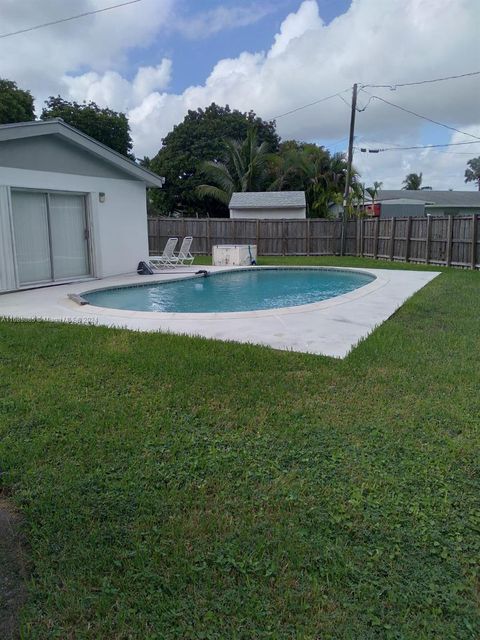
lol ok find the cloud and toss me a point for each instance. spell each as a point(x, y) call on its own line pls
point(111, 89)
point(100, 43)
point(373, 42)
point(221, 18)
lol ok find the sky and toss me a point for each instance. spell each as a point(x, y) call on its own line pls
point(156, 59)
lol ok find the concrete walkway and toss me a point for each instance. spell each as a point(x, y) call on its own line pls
point(331, 327)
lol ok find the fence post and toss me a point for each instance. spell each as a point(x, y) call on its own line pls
point(209, 237)
point(284, 239)
point(375, 238)
point(258, 236)
point(473, 260)
point(392, 237)
point(408, 239)
point(427, 241)
point(308, 236)
point(362, 234)
point(448, 258)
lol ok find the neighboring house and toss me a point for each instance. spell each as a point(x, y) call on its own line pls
point(273, 205)
point(401, 203)
point(70, 207)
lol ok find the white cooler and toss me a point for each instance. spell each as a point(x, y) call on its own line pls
point(240, 255)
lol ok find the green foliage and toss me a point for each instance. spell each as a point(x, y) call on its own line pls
point(307, 167)
point(167, 494)
point(200, 138)
point(472, 174)
point(108, 127)
point(16, 105)
point(244, 168)
point(413, 182)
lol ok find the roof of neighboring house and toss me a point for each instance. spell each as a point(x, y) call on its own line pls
point(268, 200)
point(56, 126)
point(444, 198)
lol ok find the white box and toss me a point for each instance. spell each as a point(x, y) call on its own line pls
point(239, 255)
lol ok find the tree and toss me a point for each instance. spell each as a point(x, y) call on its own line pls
point(199, 138)
point(472, 174)
point(413, 182)
point(243, 169)
point(373, 191)
point(107, 126)
point(16, 105)
point(310, 168)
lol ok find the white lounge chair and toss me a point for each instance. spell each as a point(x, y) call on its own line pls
point(184, 256)
point(167, 259)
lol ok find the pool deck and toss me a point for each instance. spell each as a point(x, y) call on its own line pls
point(330, 327)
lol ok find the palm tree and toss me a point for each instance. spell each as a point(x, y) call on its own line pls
point(472, 174)
point(373, 191)
point(243, 169)
point(312, 169)
point(413, 182)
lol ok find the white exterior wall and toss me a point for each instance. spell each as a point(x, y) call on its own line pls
point(269, 214)
point(118, 226)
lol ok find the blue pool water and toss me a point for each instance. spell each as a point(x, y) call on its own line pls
point(248, 290)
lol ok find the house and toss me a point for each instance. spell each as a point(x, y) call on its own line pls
point(273, 205)
point(401, 203)
point(70, 207)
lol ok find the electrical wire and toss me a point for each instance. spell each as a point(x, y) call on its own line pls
point(427, 146)
point(310, 104)
point(80, 15)
point(393, 87)
point(418, 115)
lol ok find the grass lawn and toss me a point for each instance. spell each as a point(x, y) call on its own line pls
point(181, 488)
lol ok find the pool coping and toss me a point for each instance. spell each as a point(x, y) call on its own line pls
point(363, 290)
point(331, 327)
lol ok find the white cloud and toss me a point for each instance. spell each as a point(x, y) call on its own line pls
point(296, 25)
point(99, 43)
point(374, 42)
point(221, 18)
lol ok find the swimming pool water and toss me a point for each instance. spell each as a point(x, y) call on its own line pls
point(246, 290)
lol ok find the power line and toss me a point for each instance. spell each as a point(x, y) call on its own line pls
point(310, 104)
point(426, 146)
point(410, 84)
point(80, 15)
point(418, 115)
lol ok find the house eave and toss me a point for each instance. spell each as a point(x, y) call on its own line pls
point(58, 127)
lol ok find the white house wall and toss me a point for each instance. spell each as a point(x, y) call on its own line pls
point(268, 214)
point(118, 226)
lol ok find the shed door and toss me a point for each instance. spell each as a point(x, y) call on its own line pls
point(50, 236)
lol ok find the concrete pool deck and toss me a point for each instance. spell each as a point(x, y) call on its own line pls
point(331, 327)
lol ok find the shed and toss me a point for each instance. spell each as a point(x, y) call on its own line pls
point(273, 205)
point(70, 207)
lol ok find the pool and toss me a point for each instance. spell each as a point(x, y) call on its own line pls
point(231, 291)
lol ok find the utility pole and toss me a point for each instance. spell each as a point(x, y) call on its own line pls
point(349, 168)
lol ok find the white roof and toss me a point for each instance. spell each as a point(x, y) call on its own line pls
point(268, 200)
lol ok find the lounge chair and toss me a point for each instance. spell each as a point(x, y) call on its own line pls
point(184, 256)
point(167, 259)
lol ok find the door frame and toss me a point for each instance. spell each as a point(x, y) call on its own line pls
point(88, 239)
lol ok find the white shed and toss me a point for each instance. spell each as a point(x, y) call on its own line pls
point(70, 207)
point(273, 205)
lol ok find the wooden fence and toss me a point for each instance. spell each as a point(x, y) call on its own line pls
point(442, 240)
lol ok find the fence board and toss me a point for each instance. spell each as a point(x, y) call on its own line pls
point(440, 240)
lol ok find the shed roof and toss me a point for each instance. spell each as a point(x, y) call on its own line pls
point(446, 198)
point(56, 126)
point(268, 200)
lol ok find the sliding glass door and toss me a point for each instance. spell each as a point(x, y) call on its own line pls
point(68, 236)
point(50, 232)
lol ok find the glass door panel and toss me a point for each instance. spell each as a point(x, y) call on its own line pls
point(68, 236)
point(32, 243)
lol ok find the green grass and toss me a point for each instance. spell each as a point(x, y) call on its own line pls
point(182, 488)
